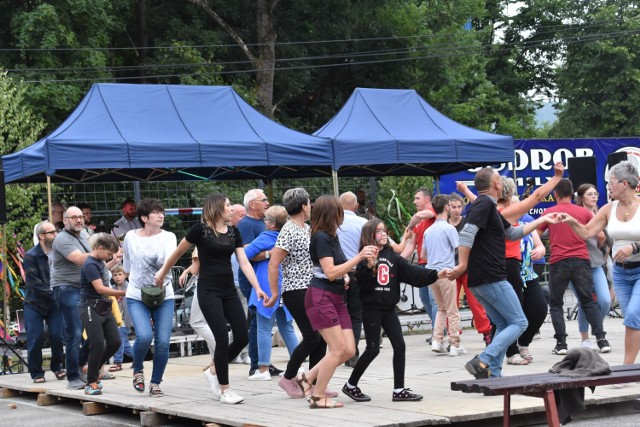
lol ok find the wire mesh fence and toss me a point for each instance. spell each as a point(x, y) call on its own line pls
point(105, 199)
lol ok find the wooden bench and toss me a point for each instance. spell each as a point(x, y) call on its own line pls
point(543, 386)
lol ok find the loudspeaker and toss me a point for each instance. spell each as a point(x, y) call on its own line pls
point(615, 158)
point(3, 199)
point(582, 170)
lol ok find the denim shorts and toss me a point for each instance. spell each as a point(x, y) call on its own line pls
point(326, 309)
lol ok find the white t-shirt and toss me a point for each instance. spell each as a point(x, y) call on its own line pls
point(143, 257)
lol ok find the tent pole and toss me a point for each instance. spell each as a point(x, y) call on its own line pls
point(438, 184)
point(5, 294)
point(334, 176)
point(49, 202)
point(270, 191)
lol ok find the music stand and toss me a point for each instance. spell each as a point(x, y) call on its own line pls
point(413, 308)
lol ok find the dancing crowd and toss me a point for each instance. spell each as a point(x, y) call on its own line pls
point(332, 270)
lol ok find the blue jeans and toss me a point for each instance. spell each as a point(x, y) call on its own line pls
point(67, 298)
point(627, 286)
point(253, 327)
point(125, 347)
point(162, 317)
point(429, 302)
point(505, 311)
point(265, 326)
point(601, 289)
point(35, 335)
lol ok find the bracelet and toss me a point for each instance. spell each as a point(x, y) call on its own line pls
point(635, 247)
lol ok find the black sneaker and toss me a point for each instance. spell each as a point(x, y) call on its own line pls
point(355, 393)
point(561, 348)
point(274, 371)
point(429, 340)
point(253, 371)
point(406, 396)
point(475, 368)
point(604, 346)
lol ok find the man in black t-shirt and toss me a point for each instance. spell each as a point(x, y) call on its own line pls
point(482, 252)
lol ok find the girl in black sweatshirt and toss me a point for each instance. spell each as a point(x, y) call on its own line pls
point(379, 281)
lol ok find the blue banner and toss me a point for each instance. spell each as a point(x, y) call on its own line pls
point(534, 160)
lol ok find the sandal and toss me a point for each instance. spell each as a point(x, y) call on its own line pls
point(116, 367)
point(524, 353)
point(104, 375)
point(61, 374)
point(39, 380)
point(138, 381)
point(301, 384)
point(516, 359)
point(328, 404)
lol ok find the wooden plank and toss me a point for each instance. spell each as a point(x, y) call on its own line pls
point(94, 408)
point(150, 419)
point(6, 393)
point(46, 399)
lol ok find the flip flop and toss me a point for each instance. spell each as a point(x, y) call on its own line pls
point(115, 368)
point(39, 380)
point(61, 374)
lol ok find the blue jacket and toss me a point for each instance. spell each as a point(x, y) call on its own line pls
point(264, 242)
point(38, 293)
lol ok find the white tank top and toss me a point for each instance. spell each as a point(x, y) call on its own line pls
point(624, 233)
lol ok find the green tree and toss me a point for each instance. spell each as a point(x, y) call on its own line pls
point(599, 80)
point(19, 128)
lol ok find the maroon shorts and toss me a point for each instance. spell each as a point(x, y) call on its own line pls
point(326, 309)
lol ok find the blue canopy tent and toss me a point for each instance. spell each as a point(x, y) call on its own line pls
point(123, 132)
point(396, 132)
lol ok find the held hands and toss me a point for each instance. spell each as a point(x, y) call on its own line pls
point(270, 302)
point(444, 274)
point(262, 296)
point(369, 252)
point(454, 273)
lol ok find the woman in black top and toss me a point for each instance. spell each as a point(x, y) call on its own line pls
point(324, 299)
point(379, 281)
point(216, 242)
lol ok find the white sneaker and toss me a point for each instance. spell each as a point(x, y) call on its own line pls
point(457, 351)
point(242, 359)
point(230, 397)
point(213, 383)
point(438, 347)
point(588, 344)
point(260, 376)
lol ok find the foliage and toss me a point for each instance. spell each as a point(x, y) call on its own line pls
point(19, 127)
point(599, 82)
point(395, 201)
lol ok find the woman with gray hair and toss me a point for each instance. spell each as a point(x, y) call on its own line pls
point(292, 253)
point(621, 219)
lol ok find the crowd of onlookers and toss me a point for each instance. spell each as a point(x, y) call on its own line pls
point(324, 272)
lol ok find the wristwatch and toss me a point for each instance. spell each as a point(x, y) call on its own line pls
point(267, 254)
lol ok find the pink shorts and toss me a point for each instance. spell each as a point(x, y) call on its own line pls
point(326, 309)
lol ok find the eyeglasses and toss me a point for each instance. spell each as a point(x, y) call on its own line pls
point(591, 194)
point(50, 232)
point(265, 200)
point(74, 217)
point(612, 182)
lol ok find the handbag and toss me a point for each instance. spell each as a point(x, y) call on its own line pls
point(103, 306)
point(153, 296)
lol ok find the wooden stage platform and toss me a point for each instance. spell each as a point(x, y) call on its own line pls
point(187, 393)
